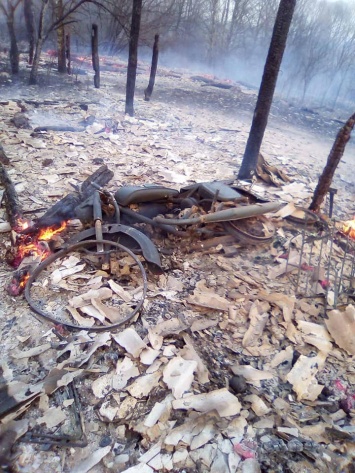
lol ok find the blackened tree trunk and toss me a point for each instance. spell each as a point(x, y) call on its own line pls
point(267, 88)
point(68, 52)
point(62, 66)
point(148, 91)
point(39, 44)
point(133, 56)
point(30, 27)
point(334, 158)
point(95, 55)
point(9, 13)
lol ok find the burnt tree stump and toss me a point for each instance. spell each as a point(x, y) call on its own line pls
point(153, 71)
point(334, 158)
point(95, 54)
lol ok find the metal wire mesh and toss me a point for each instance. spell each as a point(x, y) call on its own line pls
point(322, 263)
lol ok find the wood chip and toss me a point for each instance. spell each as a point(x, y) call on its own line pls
point(221, 400)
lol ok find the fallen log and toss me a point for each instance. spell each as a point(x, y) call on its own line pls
point(12, 204)
point(58, 128)
point(220, 85)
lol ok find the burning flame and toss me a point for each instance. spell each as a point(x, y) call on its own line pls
point(46, 234)
point(35, 245)
point(349, 228)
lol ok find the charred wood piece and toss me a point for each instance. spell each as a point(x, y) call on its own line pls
point(3, 156)
point(12, 204)
point(20, 120)
point(39, 129)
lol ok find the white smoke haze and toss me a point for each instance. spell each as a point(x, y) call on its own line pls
point(229, 40)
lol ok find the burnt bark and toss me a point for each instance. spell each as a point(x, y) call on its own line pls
point(267, 88)
point(12, 203)
point(30, 27)
point(95, 55)
point(133, 56)
point(68, 53)
point(153, 70)
point(334, 158)
point(10, 21)
point(62, 66)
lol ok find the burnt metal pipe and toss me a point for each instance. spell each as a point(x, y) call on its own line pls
point(235, 213)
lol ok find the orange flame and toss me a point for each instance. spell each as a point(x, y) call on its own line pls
point(349, 228)
point(46, 234)
point(24, 280)
point(36, 247)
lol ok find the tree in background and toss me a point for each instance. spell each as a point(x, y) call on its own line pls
point(9, 9)
point(30, 27)
point(133, 56)
point(267, 88)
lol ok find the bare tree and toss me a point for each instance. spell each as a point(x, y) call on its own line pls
point(133, 56)
point(153, 70)
point(95, 54)
point(267, 88)
point(43, 34)
point(39, 43)
point(9, 9)
point(30, 27)
point(59, 12)
point(334, 158)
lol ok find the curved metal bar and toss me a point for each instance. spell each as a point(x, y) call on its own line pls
point(66, 251)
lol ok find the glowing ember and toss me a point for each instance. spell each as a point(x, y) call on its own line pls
point(349, 228)
point(22, 224)
point(23, 281)
point(35, 245)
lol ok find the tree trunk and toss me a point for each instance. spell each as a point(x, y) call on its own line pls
point(62, 66)
point(95, 55)
point(30, 26)
point(334, 158)
point(68, 53)
point(132, 56)
point(14, 54)
point(267, 88)
point(39, 44)
point(148, 91)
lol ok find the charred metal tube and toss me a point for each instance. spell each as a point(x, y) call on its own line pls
point(236, 213)
point(141, 218)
